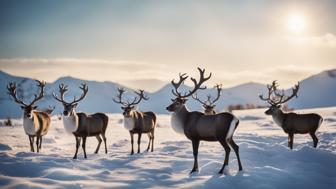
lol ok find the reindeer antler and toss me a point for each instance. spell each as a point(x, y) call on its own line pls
point(11, 87)
point(141, 96)
point(271, 89)
point(121, 91)
point(219, 89)
point(209, 102)
point(136, 100)
point(64, 88)
point(195, 97)
point(283, 98)
point(197, 85)
point(175, 92)
point(41, 84)
point(85, 90)
point(278, 97)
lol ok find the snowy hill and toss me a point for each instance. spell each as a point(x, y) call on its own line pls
point(317, 91)
point(99, 98)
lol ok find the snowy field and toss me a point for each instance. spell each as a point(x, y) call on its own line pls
point(267, 162)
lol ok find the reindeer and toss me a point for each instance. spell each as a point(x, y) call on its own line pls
point(35, 123)
point(291, 123)
point(82, 125)
point(209, 105)
point(197, 126)
point(137, 122)
point(49, 110)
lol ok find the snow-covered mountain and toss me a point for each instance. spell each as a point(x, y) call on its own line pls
point(316, 91)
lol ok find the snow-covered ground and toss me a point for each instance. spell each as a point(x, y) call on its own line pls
point(267, 162)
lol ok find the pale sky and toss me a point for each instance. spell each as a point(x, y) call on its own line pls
point(147, 42)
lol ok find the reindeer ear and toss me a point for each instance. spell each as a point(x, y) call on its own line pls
point(132, 107)
point(22, 107)
point(279, 106)
point(184, 100)
point(123, 108)
point(75, 105)
point(34, 107)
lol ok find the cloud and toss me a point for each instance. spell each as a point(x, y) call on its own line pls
point(151, 76)
point(327, 40)
point(95, 69)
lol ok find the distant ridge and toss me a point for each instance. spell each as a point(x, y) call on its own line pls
point(315, 91)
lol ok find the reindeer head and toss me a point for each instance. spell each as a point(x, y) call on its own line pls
point(180, 99)
point(69, 107)
point(27, 108)
point(209, 104)
point(276, 98)
point(129, 107)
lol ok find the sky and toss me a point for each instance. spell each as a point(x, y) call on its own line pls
point(147, 43)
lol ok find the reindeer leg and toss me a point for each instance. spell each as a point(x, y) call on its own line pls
point(236, 150)
point(315, 139)
point(227, 154)
point(139, 140)
point(40, 146)
point(132, 141)
point(291, 140)
point(99, 142)
point(83, 146)
point(195, 144)
point(152, 141)
point(149, 136)
point(104, 138)
point(78, 140)
point(37, 144)
point(31, 142)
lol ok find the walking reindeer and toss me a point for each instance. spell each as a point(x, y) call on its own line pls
point(197, 126)
point(291, 123)
point(137, 122)
point(209, 105)
point(82, 125)
point(35, 123)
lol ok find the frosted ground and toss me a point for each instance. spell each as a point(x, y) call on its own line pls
point(267, 161)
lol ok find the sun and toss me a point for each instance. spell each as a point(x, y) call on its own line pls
point(296, 23)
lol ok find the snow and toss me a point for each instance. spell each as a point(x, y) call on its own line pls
point(267, 161)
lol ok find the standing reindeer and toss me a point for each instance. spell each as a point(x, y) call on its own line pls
point(82, 125)
point(291, 123)
point(49, 110)
point(209, 105)
point(137, 122)
point(35, 123)
point(197, 126)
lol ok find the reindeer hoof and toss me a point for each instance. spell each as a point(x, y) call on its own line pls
point(193, 171)
point(75, 157)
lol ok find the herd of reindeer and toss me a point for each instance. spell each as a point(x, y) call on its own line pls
point(196, 126)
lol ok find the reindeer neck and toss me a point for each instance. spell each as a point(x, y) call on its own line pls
point(181, 115)
point(71, 122)
point(278, 117)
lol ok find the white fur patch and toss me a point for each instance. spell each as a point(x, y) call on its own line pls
point(28, 125)
point(70, 123)
point(232, 127)
point(176, 123)
point(277, 120)
point(129, 123)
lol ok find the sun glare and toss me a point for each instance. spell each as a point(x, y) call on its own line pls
point(296, 23)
